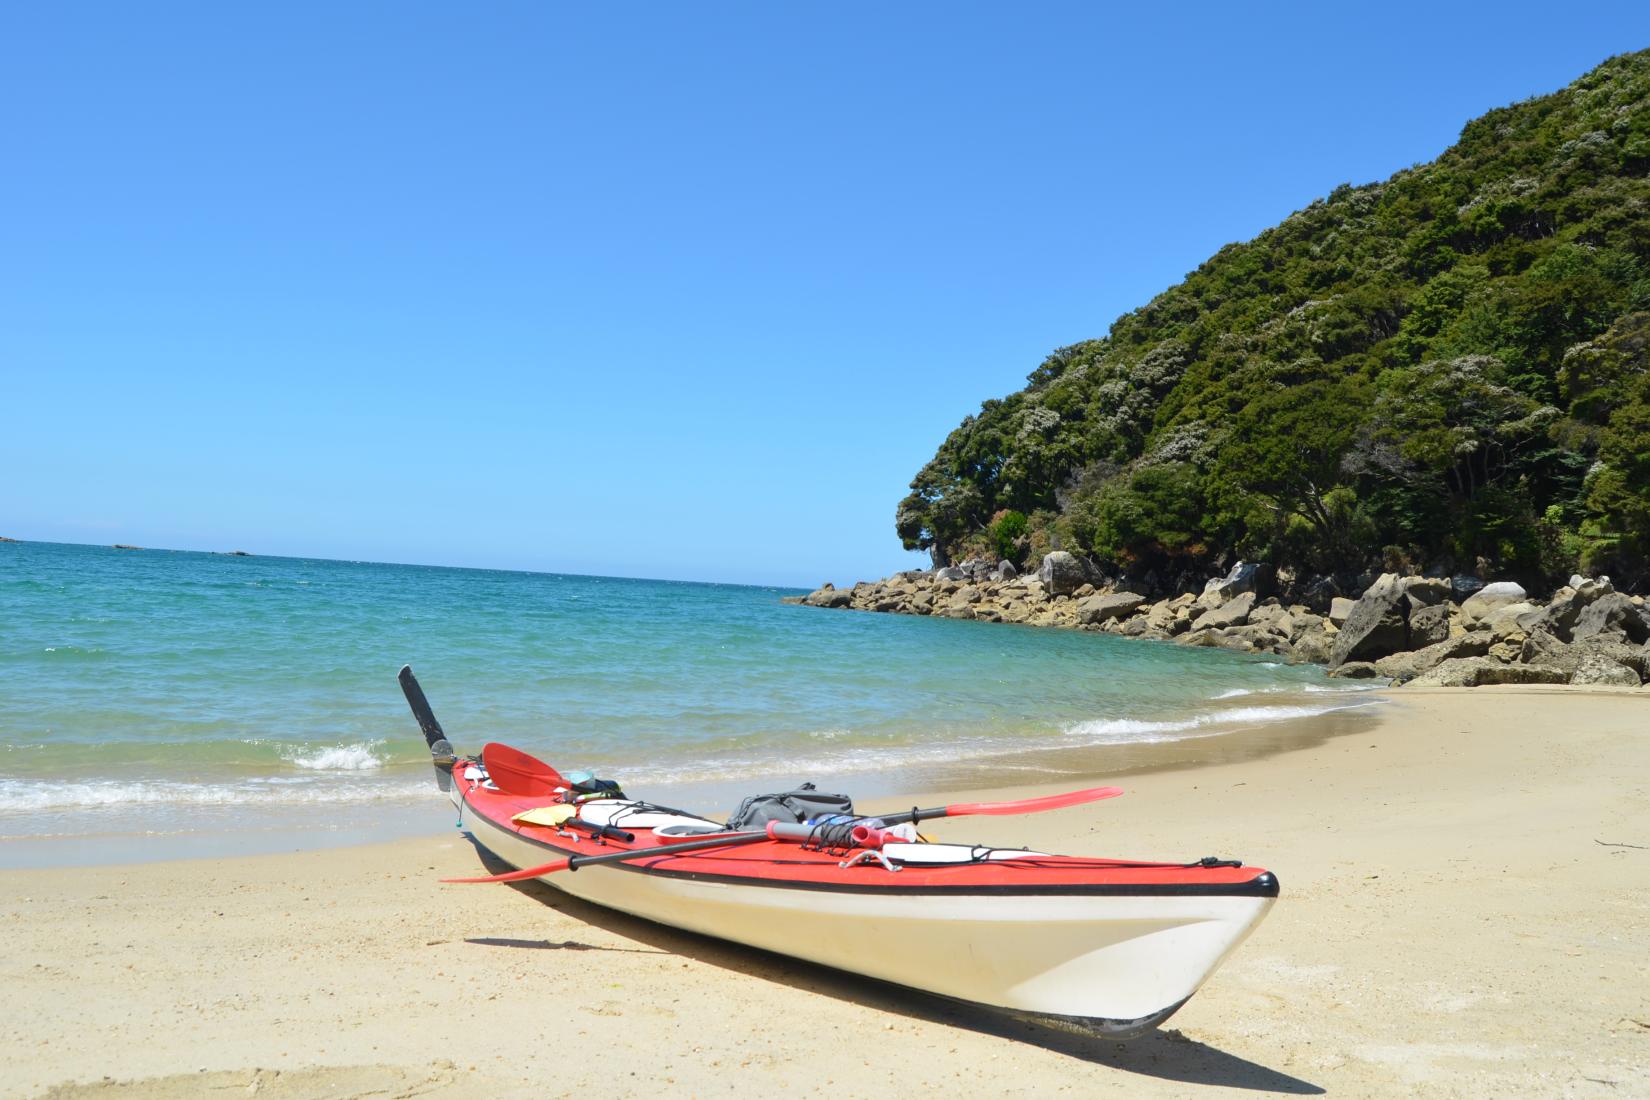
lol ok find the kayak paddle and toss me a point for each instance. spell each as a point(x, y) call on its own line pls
point(863, 836)
point(441, 750)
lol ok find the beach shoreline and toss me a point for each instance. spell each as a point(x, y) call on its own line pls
point(1462, 913)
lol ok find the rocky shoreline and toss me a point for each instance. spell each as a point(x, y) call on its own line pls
point(1421, 630)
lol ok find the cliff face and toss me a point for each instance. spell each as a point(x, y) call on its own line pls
point(1451, 366)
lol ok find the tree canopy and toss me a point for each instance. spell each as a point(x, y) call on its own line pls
point(1447, 367)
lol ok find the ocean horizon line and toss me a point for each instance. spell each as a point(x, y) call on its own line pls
point(125, 548)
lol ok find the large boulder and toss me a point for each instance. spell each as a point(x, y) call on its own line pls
point(1318, 592)
point(950, 573)
point(1100, 609)
point(1377, 626)
point(1427, 591)
point(1598, 669)
point(1412, 663)
point(1612, 613)
point(1489, 599)
point(1005, 571)
point(1062, 573)
point(1246, 576)
point(1519, 617)
point(1428, 625)
point(1340, 609)
point(1478, 671)
point(1234, 612)
point(1543, 648)
point(1312, 647)
point(1564, 610)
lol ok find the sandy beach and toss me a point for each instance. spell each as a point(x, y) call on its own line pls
point(1465, 912)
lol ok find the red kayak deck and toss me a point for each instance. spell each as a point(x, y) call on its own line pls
point(782, 864)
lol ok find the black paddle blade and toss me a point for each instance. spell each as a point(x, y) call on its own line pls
point(441, 750)
point(421, 709)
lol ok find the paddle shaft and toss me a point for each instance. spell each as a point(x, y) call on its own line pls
point(1023, 806)
point(573, 863)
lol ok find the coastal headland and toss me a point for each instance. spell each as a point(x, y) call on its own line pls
point(1462, 915)
point(1431, 631)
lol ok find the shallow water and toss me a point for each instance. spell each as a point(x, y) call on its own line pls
point(171, 695)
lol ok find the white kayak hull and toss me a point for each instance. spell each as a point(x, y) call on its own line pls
point(1108, 963)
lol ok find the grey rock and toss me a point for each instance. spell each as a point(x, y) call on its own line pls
point(1428, 625)
point(1246, 576)
point(1062, 573)
point(1304, 623)
point(1478, 671)
point(1564, 610)
point(1100, 609)
point(1134, 628)
point(1318, 592)
point(950, 573)
point(1598, 669)
point(1489, 599)
point(1356, 670)
point(1612, 612)
point(840, 597)
point(1312, 647)
point(1412, 663)
point(1340, 608)
point(1233, 612)
point(1005, 571)
point(1544, 649)
point(1377, 626)
point(1426, 591)
point(1508, 619)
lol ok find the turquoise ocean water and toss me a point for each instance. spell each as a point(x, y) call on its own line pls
point(152, 700)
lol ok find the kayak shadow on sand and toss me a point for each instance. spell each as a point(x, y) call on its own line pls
point(1166, 1054)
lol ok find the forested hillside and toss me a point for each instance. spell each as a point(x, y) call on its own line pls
point(1448, 368)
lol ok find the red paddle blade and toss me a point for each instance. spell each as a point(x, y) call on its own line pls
point(517, 876)
point(1034, 805)
point(515, 772)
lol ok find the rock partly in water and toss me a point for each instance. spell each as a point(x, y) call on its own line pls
point(1356, 670)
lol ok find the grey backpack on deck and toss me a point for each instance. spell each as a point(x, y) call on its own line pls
point(790, 807)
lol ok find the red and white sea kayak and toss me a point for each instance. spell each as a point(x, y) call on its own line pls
point(1103, 946)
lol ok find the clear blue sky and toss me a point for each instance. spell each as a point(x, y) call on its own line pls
point(685, 290)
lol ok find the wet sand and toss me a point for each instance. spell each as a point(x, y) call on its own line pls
point(1465, 912)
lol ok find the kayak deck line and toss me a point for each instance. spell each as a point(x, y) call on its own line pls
point(1255, 883)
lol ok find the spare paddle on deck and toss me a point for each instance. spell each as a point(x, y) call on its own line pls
point(871, 838)
point(1023, 806)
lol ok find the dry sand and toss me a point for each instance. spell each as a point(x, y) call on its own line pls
point(1465, 912)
